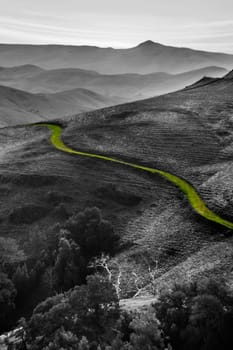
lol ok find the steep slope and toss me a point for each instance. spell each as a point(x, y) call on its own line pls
point(19, 107)
point(188, 133)
point(127, 86)
point(229, 76)
point(202, 82)
point(148, 57)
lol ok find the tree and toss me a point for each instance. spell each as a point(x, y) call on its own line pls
point(83, 344)
point(92, 233)
point(10, 254)
point(147, 334)
point(36, 245)
point(102, 297)
point(7, 298)
point(21, 280)
point(112, 270)
point(96, 306)
point(69, 265)
point(173, 312)
point(196, 316)
point(205, 321)
point(47, 319)
point(63, 340)
point(142, 332)
point(89, 310)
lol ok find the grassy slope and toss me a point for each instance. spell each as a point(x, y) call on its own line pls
point(187, 133)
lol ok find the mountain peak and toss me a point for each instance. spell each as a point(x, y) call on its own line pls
point(148, 43)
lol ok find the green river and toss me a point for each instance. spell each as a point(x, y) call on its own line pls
point(190, 192)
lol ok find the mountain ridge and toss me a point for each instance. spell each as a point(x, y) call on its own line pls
point(144, 58)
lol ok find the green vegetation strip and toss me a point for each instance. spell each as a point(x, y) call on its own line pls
point(192, 195)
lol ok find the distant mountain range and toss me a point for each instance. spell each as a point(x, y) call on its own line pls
point(126, 87)
point(148, 57)
point(41, 82)
point(18, 106)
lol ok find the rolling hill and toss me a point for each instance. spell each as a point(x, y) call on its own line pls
point(188, 133)
point(19, 72)
point(127, 86)
point(148, 57)
point(20, 107)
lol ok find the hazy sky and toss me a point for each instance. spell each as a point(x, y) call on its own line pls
point(201, 24)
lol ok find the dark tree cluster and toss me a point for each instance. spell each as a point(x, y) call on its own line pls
point(88, 317)
point(92, 233)
point(81, 311)
point(56, 261)
point(85, 312)
point(197, 316)
point(7, 297)
point(84, 236)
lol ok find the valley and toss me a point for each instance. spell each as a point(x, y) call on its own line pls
point(113, 180)
point(174, 133)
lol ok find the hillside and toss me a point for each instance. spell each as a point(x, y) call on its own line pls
point(148, 57)
point(20, 107)
point(127, 86)
point(187, 133)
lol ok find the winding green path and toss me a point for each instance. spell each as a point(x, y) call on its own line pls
point(192, 195)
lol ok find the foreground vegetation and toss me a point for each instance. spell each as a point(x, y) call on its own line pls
point(198, 316)
point(77, 305)
point(54, 263)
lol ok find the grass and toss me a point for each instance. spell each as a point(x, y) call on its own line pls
point(190, 192)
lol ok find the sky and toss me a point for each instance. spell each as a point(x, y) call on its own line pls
point(199, 24)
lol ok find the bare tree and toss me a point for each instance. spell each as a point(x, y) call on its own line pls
point(152, 278)
point(117, 285)
point(103, 262)
point(146, 279)
point(139, 284)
